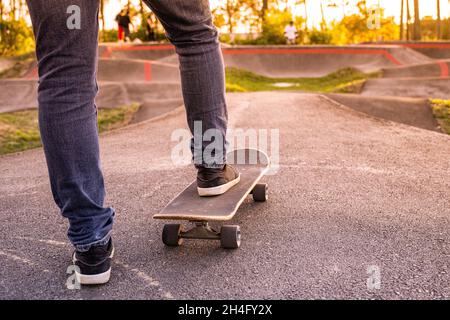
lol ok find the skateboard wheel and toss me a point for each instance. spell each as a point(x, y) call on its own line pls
point(230, 237)
point(260, 192)
point(171, 235)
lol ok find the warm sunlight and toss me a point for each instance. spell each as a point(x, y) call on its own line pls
point(427, 8)
point(230, 157)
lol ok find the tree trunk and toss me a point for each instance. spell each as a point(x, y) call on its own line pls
point(142, 13)
point(13, 10)
point(265, 7)
point(230, 17)
point(417, 29)
point(1, 10)
point(102, 13)
point(439, 26)
point(306, 14)
point(323, 23)
point(402, 27)
point(408, 21)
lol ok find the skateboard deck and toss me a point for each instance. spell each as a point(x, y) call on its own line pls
point(188, 205)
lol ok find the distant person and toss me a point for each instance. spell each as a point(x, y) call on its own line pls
point(124, 21)
point(290, 32)
point(150, 29)
point(68, 116)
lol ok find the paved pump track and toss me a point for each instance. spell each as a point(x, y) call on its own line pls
point(142, 73)
point(368, 173)
point(434, 50)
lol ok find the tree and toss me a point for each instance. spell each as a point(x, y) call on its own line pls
point(20, 7)
point(1, 11)
point(402, 14)
point(102, 13)
point(323, 22)
point(234, 10)
point(448, 24)
point(142, 13)
point(408, 20)
point(417, 30)
point(305, 6)
point(273, 28)
point(16, 38)
point(439, 26)
point(13, 9)
point(264, 8)
point(354, 28)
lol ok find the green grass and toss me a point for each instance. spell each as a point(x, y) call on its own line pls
point(345, 80)
point(19, 130)
point(441, 110)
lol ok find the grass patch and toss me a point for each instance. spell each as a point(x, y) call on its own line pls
point(19, 130)
point(110, 119)
point(441, 111)
point(344, 80)
point(351, 87)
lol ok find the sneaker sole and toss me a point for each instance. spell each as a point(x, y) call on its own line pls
point(93, 279)
point(216, 191)
point(100, 278)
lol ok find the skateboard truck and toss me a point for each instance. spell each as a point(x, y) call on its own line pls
point(229, 236)
point(201, 230)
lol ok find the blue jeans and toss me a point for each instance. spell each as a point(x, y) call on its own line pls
point(67, 87)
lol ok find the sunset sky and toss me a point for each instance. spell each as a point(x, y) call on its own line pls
point(427, 8)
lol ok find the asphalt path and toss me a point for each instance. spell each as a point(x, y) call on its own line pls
point(356, 199)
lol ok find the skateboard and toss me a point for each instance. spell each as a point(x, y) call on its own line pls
point(199, 211)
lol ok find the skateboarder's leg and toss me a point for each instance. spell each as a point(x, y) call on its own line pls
point(66, 36)
point(189, 27)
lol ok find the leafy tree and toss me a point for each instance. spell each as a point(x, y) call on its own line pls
point(273, 27)
point(355, 29)
point(417, 29)
point(439, 22)
point(320, 37)
point(231, 13)
point(16, 38)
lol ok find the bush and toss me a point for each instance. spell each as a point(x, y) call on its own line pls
point(140, 34)
point(320, 37)
point(273, 27)
point(109, 36)
point(354, 29)
point(225, 38)
point(16, 38)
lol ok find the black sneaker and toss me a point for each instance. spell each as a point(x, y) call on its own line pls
point(214, 182)
point(94, 265)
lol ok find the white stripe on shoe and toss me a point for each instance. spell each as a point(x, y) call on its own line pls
point(100, 278)
point(215, 191)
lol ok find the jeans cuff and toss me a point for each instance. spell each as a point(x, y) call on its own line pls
point(98, 243)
